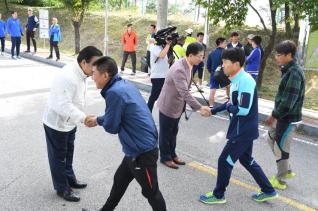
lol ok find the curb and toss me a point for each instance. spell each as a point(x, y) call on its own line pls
point(308, 129)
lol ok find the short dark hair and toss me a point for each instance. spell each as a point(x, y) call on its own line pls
point(129, 25)
point(12, 12)
point(88, 53)
point(200, 34)
point(219, 40)
point(234, 34)
point(234, 55)
point(194, 49)
point(257, 39)
point(153, 26)
point(285, 47)
point(106, 64)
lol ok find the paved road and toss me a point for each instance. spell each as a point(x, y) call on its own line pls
point(25, 182)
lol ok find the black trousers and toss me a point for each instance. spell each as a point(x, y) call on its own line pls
point(144, 170)
point(157, 84)
point(60, 148)
point(168, 131)
point(133, 60)
point(56, 48)
point(2, 39)
point(16, 43)
point(29, 36)
point(148, 59)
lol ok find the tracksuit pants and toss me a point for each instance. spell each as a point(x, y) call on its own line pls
point(279, 140)
point(144, 170)
point(16, 42)
point(54, 44)
point(157, 84)
point(239, 150)
point(2, 39)
point(29, 37)
point(168, 131)
point(60, 148)
point(133, 60)
point(198, 68)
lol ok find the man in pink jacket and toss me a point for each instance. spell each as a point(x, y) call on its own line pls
point(174, 96)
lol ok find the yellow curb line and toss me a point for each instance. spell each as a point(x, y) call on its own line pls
point(212, 171)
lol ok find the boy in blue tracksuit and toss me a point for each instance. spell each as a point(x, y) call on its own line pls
point(242, 131)
point(55, 38)
point(2, 33)
point(14, 28)
point(215, 60)
point(128, 115)
point(253, 61)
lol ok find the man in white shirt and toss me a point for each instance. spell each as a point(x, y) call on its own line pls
point(64, 110)
point(159, 69)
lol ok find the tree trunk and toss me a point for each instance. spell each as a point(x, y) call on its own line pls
point(296, 26)
point(287, 20)
point(162, 14)
point(6, 4)
point(269, 48)
point(77, 25)
point(77, 34)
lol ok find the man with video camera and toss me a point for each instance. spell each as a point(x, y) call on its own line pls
point(159, 66)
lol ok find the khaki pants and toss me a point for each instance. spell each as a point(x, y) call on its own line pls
point(279, 139)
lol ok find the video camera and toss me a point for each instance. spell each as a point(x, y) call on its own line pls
point(166, 34)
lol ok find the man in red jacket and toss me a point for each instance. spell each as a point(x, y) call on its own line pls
point(129, 40)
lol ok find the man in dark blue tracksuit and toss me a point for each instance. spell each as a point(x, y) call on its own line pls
point(242, 132)
point(31, 26)
point(128, 115)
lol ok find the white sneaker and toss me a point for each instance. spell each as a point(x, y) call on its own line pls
point(19, 57)
point(13, 57)
point(2, 53)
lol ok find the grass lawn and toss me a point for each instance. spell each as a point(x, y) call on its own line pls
point(312, 50)
point(92, 32)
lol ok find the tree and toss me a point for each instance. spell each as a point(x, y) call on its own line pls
point(234, 13)
point(77, 9)
point(6, 4)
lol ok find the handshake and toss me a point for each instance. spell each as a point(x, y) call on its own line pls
point(205, 111)
point(90, 121)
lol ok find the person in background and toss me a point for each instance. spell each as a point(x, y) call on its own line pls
point(189, 39)
point(3, 32)
point(253, 61)
point(248, 47)
point(287, 111)
point(178, 50)
point(127, 115)
point(63, 112)
point(234, 41)
point(200, 67)
point(160, 67)
point(15, 30)
point(31, 27)
point(214, 61)
point(150, 41)
point(55, 38)
point(129, 40)
point(242, 131)
point(172, 102)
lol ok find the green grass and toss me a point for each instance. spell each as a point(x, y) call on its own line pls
point(312, 58)
point(92, 32)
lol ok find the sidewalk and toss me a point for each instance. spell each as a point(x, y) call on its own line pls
point(142, 81)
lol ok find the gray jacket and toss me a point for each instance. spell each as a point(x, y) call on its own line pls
point(175, 91)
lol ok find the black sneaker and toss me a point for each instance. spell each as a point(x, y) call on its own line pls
point(69, 195)
point(50, 57)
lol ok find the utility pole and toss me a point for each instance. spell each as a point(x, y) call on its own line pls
point(162, 14)
point(206, 26)
point(106, 29)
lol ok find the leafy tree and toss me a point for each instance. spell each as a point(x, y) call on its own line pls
point(78, 9)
